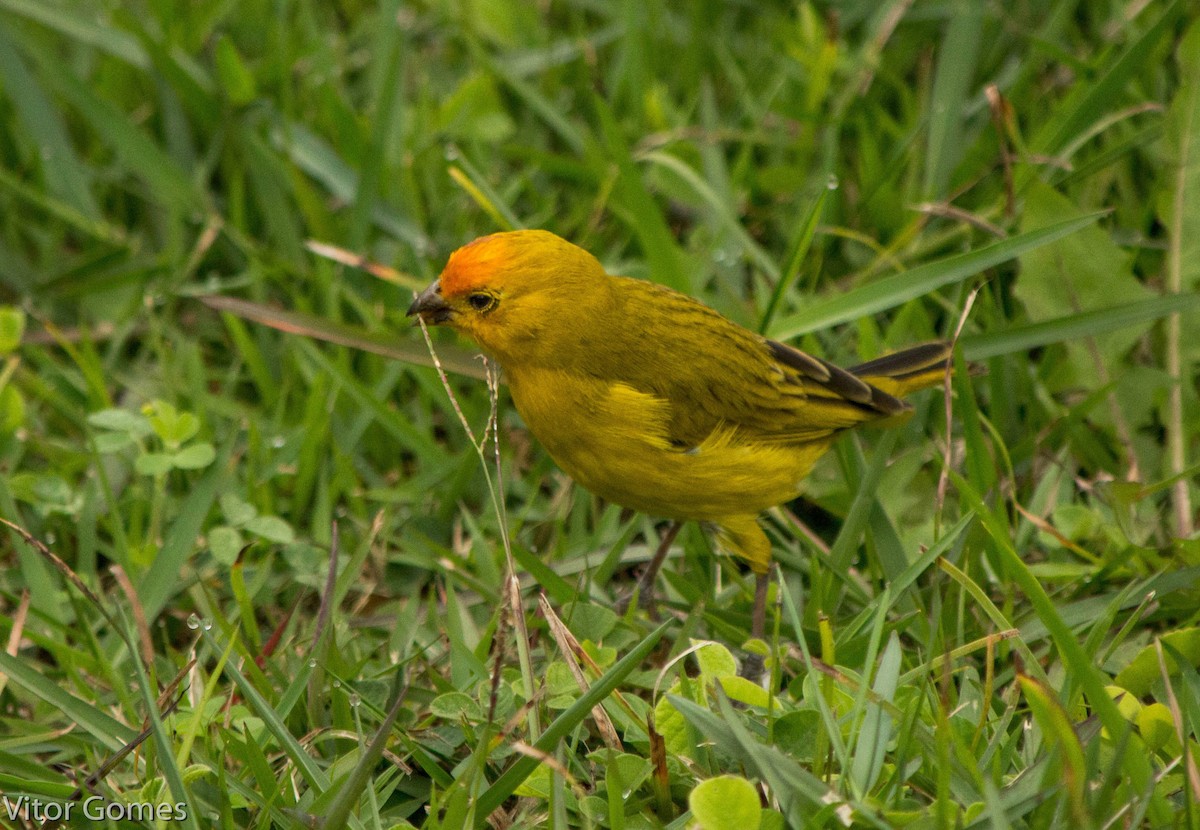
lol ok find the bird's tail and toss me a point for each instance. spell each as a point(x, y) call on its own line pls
point(904, 372)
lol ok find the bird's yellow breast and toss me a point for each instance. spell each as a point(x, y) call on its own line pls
point(612, 439)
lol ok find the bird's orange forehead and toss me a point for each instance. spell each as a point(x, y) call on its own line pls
point(473, 264)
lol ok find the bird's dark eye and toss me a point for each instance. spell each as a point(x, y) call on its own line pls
point(481, 302)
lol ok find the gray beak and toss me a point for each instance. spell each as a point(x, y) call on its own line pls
point(430, 305)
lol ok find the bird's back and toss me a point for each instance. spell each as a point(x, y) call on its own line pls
point(713, 373)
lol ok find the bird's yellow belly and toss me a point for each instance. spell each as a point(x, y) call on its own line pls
point(611, 439)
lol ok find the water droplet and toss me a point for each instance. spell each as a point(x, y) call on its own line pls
point(832, 182)
point(206, 624)
point(451, 153)
point(354, 700)
point(278, 441)
point(51, 538)
point(312, 663)
point(193, 622)
point(337, 684)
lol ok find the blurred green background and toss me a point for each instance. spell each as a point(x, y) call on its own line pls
point(843, 175)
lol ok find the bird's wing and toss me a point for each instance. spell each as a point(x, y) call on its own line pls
point(714, 373)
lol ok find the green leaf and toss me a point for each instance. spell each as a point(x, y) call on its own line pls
point(726, 802)
point(110, 442)
point(715, 660)
point(272, 528)
point(236, 510)
point(225, 543)
point(623, 769)
point(121, 420)
point(454, 706)
point(796, 733)
point(538, 785)
point(12, 327)
point(592, 622)
point(1084, 272)
point(744, 691)
point(798, 790)
point(12, 410)
point(1156, 725)
point(235, 78)
point(194, 457)
point(179, 429)
point(1143, 671)
point(50, 493)
point(154, 463)
point(670, 723)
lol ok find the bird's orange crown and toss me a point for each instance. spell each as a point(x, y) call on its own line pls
point(503, 260)
point(471, 265)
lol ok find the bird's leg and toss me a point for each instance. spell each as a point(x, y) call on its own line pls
point(645, 583)
point(753, 665)
point(761, 583)
point(742, 536)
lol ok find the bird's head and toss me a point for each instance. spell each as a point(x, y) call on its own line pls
point(520, 295)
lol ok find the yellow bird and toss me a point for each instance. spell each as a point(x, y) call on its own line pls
point(653, 400)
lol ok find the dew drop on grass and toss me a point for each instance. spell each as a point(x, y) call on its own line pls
point(193, 622)
point(354, 700)
point(312, 663)
point(832, 182)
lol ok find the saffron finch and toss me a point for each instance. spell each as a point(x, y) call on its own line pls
point(651, 399)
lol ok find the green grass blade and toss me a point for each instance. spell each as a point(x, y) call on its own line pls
point(105, 37)
point(162, 579)
point(560, 727)
point(1095, 99)
point(795, 258)
point(66, 176)
point(1075, 326)
point(720, 209)
point(351, 790)
point(307, 767)
point(870, 749)
point(956, 68)
point(113, 734)
point(916, 282)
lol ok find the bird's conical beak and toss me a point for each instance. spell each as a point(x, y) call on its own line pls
point(430, 305)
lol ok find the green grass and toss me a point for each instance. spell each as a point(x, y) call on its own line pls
point(257, 567)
